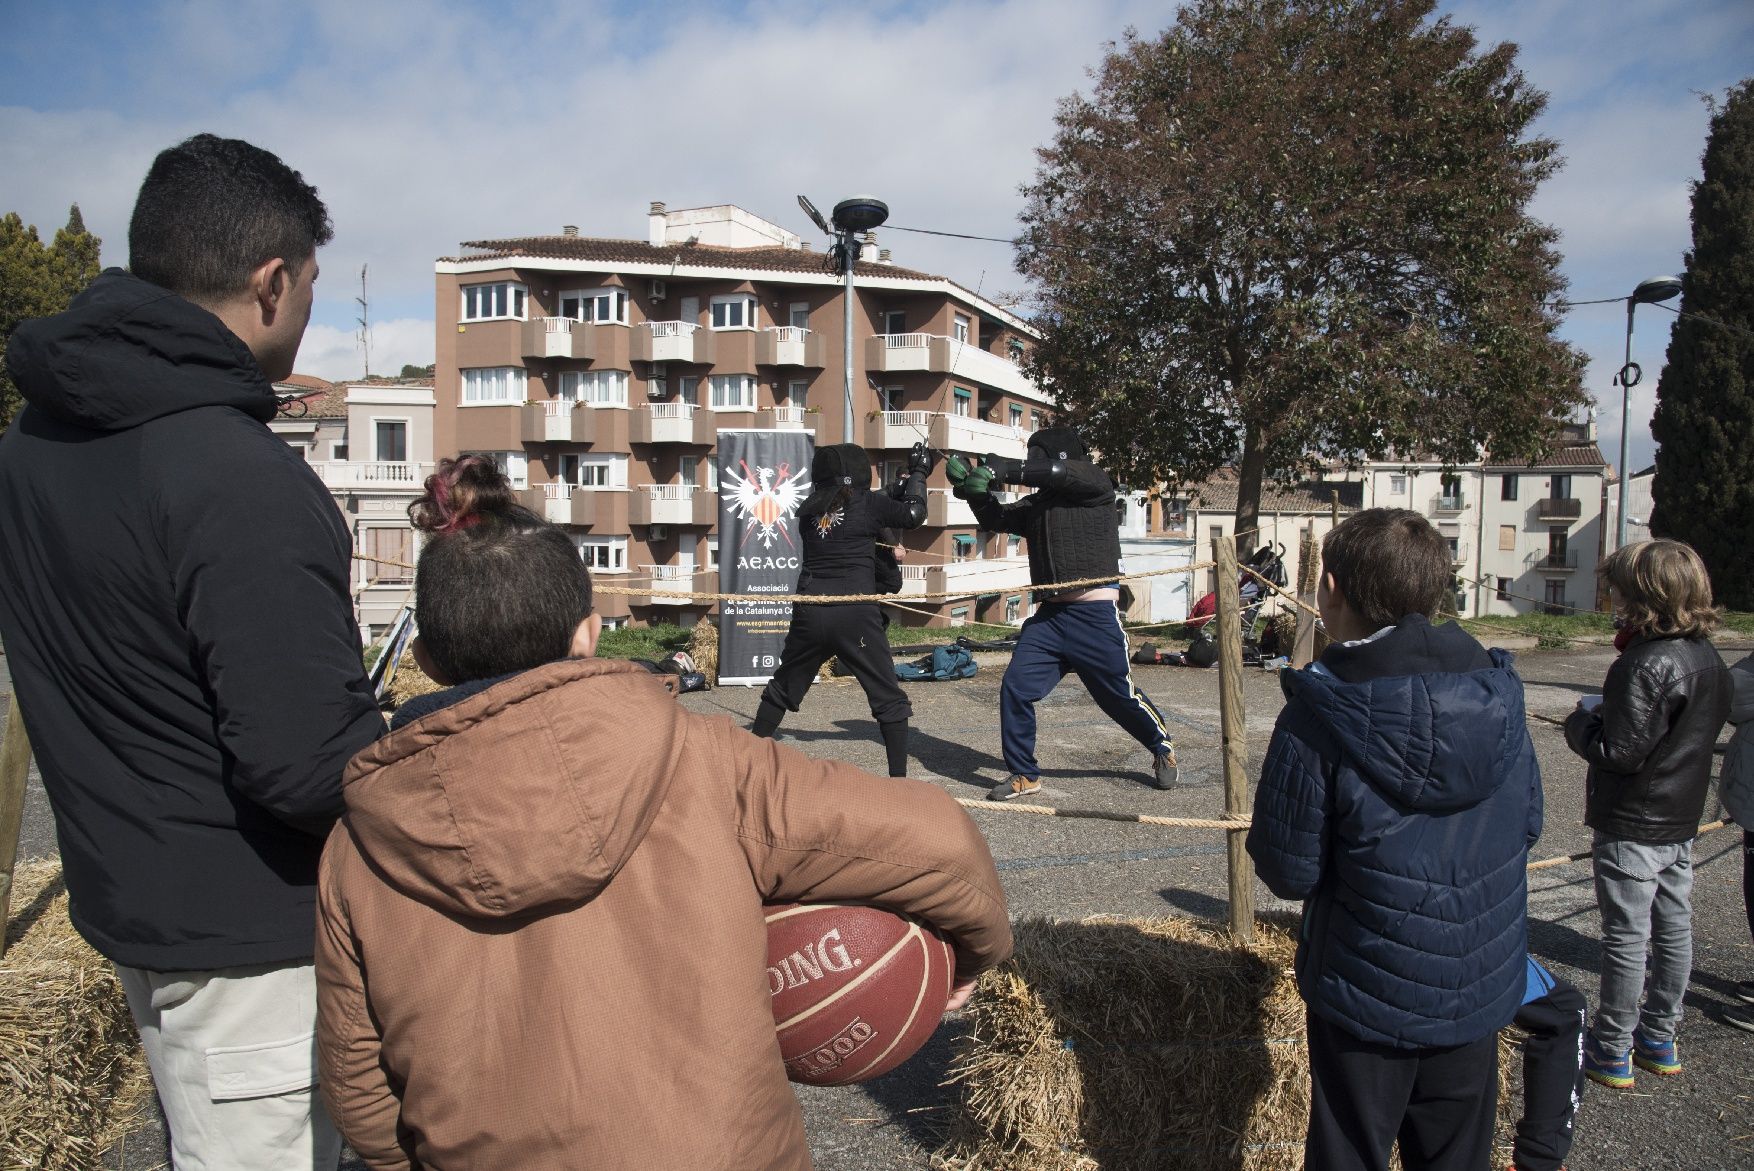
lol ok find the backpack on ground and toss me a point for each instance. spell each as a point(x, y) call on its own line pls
point(945, 662)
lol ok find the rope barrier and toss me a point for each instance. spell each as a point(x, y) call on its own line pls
point(1225, 823)
point(941, 595)
point(1562, 859)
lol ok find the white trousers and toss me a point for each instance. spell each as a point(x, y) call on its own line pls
point(233, 1058)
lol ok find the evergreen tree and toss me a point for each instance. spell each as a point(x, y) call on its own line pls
point(37, 280)
point(1704, 422)
point(1295, 228)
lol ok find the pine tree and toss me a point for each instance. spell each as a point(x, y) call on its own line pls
point(1295, 228)
point(37, 280)
point(1704, 422)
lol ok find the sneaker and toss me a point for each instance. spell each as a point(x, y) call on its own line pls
point(1613, 1070)
point(1658, 1057)
point(1164, 773)
point(1014, 786)
point(1744, 991)
point(1738, 1017)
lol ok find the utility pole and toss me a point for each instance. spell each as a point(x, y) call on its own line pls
point(364, 321)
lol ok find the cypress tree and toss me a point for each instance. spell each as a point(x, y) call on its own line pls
point(1704, 422)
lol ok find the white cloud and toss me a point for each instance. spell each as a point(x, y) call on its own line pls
point(335, 354)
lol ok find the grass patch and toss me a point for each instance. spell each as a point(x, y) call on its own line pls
point(1562, 630)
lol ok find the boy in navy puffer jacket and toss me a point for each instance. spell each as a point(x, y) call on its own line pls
point(1399, 798)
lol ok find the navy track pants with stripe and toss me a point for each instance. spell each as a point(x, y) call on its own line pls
point(1081, 638)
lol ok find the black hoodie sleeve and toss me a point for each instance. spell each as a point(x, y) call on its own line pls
point(260, 558)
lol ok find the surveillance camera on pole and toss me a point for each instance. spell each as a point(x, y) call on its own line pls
point(852, 217)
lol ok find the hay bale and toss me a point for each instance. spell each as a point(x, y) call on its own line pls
point(1139, 1045)
point(71, 1072)
point(703, 647)
point(409, 682)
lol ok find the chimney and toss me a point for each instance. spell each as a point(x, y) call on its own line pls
point(659, 221)
point(868, 246)
point(569, 229)
point(883, 256)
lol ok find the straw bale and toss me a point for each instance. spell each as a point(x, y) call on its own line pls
point(71, 1074)
point(409, 682)
point(1139, 1045)
point(703, 647)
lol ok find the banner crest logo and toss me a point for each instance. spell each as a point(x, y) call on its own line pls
point(768, 498)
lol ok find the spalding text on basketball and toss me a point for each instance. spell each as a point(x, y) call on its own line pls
point(809, 962)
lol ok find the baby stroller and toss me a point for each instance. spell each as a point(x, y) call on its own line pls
point(1269, 562)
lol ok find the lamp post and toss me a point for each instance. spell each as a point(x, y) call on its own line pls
point(1657, 288)
point(852, 217)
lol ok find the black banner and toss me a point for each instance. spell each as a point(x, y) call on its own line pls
point(764, 475)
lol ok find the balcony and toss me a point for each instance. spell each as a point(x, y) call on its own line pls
point(944, 510)
point(672, 504)
point(1561, 509)
point(788, 345)
point(663, 423)
point(346, 476)
point(900, 429)
point(565, 421)
point(558, 337)
point(985, 576)
point(671, 577)
point(1444, 504)
point(903, 352)
point(784, 419)
point(1459, 554)
point(560, 503)
point(671, 341)
point(1548, 561)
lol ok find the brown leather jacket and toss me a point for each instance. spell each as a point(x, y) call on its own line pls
point(541, 944)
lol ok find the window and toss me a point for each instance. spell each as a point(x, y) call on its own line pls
point(599, 388)
point(1556, 544)
point(1013, 546)
point(1560, 488)
point(493, 384)
point(797, 390)
point(1175, 513)
point(1014, 348)
point(690, 385)
point(731, 392)
point(895, 321)
point(606, 306)
point(1503, 589)
point(889, 398)
point(514, 464)
point(1556, 592)
point(603, 554)
point(736, 311)
point(615, 623)
point(388, 555)
point(959, 616)
point(800, 315)
point(338, 452)
point(1035, 420)
point(687, 471)
point(1507, 487)
point(1016, 416)
point(964, 399)
point(1506, 538)
point(492, 302)
point(1397, 485)
point(959, 327)
point(1013, 610)
point(961, 548)
point(607, 470)
point(390, 441)
point(712, 551)
point(712, 474)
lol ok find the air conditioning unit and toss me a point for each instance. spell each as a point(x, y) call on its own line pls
point(657, 388)
point(659, 290)
point(658, 532)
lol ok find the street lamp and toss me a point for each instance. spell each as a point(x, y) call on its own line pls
point(852, 217)
point(1657, 288)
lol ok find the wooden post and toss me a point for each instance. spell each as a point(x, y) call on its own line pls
point(1233, 721)
point(1309, 568)
point(14, 767)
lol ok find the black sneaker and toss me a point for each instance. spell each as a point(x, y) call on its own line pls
point(1744, 991)
point(1013, 787)
point(1739, 1017)
point(1164, 773)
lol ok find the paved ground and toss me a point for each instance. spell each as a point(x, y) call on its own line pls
point(1069, 869)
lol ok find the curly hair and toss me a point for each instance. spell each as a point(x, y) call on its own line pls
point(1661, 588)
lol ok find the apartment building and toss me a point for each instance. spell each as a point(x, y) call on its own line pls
point(598, 372)
point(371, 444)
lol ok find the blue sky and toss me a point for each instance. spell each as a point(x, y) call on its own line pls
point(427, 123)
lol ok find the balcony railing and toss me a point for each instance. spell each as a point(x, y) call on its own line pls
point(788, 333)
point(899, 429)
point(1549, 561)
point(389, 476)
point(671, 577)
point(906, 341)
point(1447, 503)
point(1558, 509)
point(672, 410)
point(672, 328)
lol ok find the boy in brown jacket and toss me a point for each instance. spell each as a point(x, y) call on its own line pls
point(541, 939)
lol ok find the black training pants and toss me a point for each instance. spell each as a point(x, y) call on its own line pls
point(1552, 1077)
point(1440, 1103)
point(853, 633)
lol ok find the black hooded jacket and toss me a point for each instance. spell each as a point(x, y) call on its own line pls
point(175, 609)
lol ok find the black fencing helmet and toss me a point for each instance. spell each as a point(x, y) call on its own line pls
point(832, 468)
point(1052, 443)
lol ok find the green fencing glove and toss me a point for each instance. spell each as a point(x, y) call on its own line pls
point(978, 482)
point(956, 468)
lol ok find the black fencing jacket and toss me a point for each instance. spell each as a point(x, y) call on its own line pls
point(175, 609)
point(840, 546)
point(1070, 522)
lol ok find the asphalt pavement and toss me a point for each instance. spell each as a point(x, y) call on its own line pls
point(1702, 1120)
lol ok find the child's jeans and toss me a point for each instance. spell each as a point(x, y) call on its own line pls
point(1644, 891)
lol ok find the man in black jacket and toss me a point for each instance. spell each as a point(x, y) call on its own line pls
point(174, 602)
point(1074, 536)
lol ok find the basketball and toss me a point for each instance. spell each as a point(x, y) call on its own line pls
point(856, 990)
